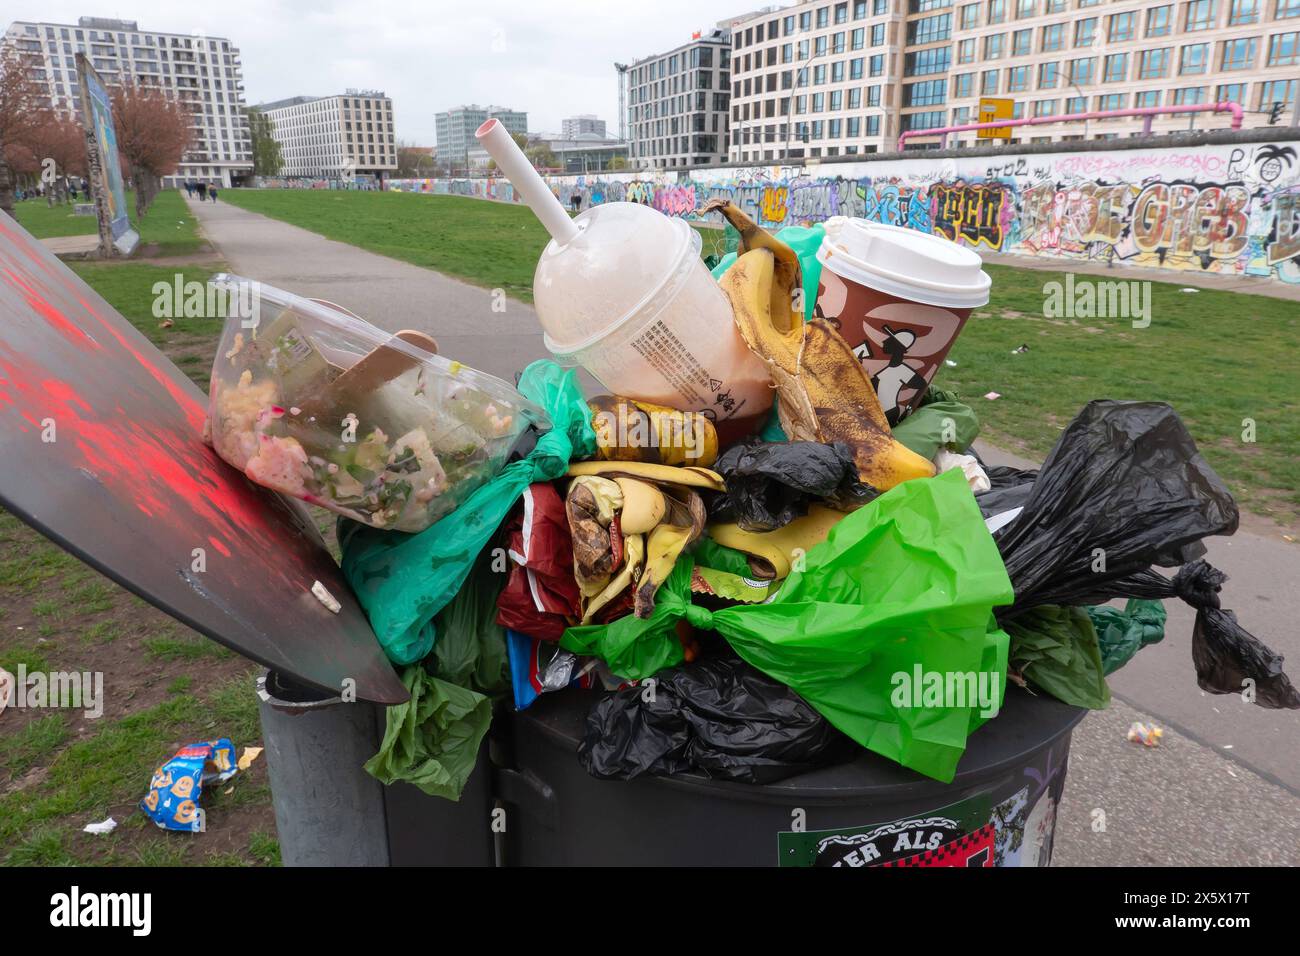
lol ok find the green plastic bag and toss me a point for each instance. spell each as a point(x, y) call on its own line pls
point(403, 580)
point(1122, 634)
point(940, 424)
point(471, 648)
point(901, 589)
point(1056, 649)
point(432, 741)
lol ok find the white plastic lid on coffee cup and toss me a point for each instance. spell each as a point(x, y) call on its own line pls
point(904, 262)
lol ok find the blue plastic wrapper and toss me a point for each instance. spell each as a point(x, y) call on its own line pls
point(538, 666)
point(173, 799)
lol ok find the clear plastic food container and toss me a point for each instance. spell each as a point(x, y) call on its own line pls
point(314, 402)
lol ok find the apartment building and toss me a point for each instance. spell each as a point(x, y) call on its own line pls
point(1055, 57)
point(840, 78)
point(205, 73)
point(347, 137)
point(677, 103)
point(455, 130)
point(584, 124)
point(817, 79)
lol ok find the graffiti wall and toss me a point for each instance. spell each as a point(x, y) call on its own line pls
point(1230, 209)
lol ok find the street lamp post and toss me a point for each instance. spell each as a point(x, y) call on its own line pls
point(789, 101)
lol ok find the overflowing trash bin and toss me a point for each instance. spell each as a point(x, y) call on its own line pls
point(760, 604)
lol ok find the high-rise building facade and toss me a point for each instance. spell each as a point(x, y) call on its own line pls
point(677, 103)
point(840, 78)
point(817, 79)
point(455, 129)
point(585, 125)
point(204, 73)
point(335, 137)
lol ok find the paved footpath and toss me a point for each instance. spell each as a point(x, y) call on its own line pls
point(1223, 788)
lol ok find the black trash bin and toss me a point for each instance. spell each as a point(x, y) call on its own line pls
point(330, 812)
point(999, 810)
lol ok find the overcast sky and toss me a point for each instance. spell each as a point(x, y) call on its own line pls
point(552, 58)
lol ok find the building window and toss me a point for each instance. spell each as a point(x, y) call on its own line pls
point(1193, 59)
point(855, 98)
point(873, 96)
point(1053, 37)
point(930, 29)
point(855, 69)
point(854, 126)
point(1045, 108)
point(988, 82)
point(993, 46)
point(1201, 15)
point(1189, 96)
point(1085, 31)
point(876, 66)
point(963, 85)
point(1285, 9)
point(1153, 64)
point(921, 121)
point(1017, 79)
point(873, 126)
point(823, 17)
point(1239, 54)
point(1083, 71)
point(1076, 104)
point(1025, 9)
point(927, 93)
point(841, 13)
point(1048, 74)
point(878, 35)
point(924, 62)
point(859, 10)
point(997, 11)
point(1231, 93)
point(1147, 98)
point(1111, 101)
point(1116, 68)
point(837, 71)
point(1022, 42)
point(1159, 21)
point(970, 16)
point(1243, 11)
point(857, 39)
point(1284, 49)
point(1276, 91)
point(966, 51)
point(1122, 27)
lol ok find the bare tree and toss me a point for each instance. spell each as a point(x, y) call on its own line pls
point(23, 110)
point(153, 132)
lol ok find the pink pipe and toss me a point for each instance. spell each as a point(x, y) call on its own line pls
point(1226, 107)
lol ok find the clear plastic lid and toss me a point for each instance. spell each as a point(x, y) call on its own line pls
point(624, 256)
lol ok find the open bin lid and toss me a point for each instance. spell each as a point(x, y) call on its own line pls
point(128, 486)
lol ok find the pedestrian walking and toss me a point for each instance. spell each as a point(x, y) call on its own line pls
point(212, 192)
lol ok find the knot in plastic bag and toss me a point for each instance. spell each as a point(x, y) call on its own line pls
point(1198, 584)
point(700, 618)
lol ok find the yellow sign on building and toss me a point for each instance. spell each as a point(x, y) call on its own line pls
point(993, 108)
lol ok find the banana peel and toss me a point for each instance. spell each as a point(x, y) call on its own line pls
point(631, 430)
point(644, 505)
point(683, 523)
point(689, 476)
point(824, 393)
point(591, 505)
point(634, 550)
point(782, 547)
point(785, 263)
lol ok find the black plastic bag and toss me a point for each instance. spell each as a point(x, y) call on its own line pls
point(1123, 488)
point(720, 717)
point(769, 484)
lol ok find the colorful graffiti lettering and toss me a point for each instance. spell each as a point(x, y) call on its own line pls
point(1227, 209)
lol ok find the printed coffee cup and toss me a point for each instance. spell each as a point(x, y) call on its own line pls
point(899, 297)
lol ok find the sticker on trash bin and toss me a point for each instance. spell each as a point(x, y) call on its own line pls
point(959, 835)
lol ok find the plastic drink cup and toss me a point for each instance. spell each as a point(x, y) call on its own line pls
point(621, 290)
point(899, 297)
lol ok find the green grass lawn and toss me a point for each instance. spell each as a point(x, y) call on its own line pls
point(1217, 357)
point(488, 243)
point(168, 225)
